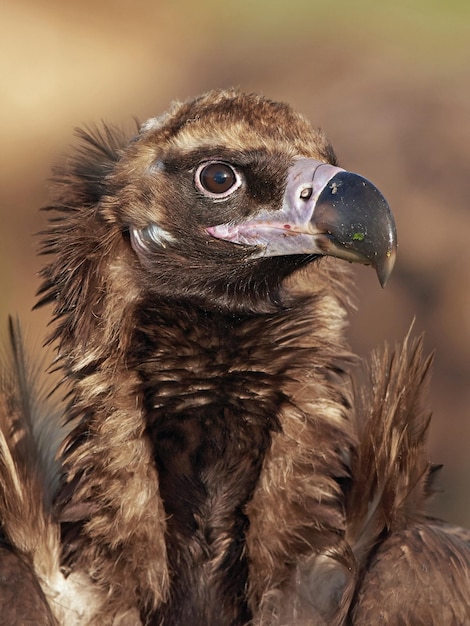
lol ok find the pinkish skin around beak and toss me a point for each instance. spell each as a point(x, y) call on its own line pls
point(327, 211)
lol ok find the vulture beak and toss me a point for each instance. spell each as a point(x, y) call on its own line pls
point(327, 211)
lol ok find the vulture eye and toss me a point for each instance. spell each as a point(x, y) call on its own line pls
point(217, 179)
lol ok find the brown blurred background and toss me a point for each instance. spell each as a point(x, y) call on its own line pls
point(389, 82)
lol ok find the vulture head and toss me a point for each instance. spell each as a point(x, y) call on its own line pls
point(217, 201)
point(219, 464)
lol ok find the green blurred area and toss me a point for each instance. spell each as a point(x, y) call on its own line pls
point(389, 83)
point(419, 24)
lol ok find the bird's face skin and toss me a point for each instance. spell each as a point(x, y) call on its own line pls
point(326, 211)
point(234, 198)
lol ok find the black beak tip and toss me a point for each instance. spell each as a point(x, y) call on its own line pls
point(359, 222)
point(385, 266)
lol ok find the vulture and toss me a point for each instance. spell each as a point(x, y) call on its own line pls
point(213, 454)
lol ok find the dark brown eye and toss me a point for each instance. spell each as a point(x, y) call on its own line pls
point(217, 179)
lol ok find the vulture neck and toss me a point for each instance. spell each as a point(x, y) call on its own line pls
point(202, 435)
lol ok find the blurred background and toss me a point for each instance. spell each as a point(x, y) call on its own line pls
point(389, 83)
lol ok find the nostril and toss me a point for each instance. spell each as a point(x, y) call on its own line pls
point(306, 193)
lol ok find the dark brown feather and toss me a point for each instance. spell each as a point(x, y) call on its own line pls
point(22, 601)
point(432, 567)
point(218, 467)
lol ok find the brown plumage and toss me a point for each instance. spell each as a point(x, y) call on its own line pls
point(222, 459)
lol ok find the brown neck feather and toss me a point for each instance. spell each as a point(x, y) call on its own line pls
point(218, 437)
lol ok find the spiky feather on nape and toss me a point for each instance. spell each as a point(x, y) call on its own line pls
point(27, 412)
point(29, 438)
point(390, 466)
